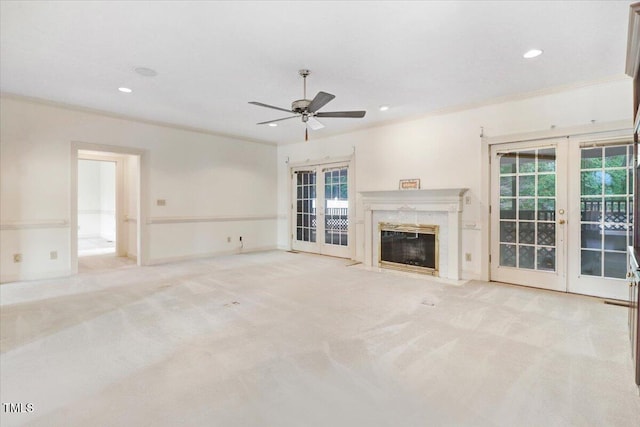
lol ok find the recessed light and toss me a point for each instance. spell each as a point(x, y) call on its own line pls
point(273, 125)
point(125, 89)
point(147, 72)
point(384, 107)
point(532, 53)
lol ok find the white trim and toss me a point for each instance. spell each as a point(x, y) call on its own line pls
point(134, 119)
point(190, 219)
point(238, 251)
point(436, 196)
point(105, 151)
point(593, 129)
point(470, 275)
point(96, 212)
point(485, 217)
point(633, 39)
point(593, 141)
point(418, 116)
point(320, 162)
point(26, 276)
point(484, 103)
point(35, 224)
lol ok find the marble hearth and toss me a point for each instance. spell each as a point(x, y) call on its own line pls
point(441, 207)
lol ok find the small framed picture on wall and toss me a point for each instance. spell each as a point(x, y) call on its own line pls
point(409, 184)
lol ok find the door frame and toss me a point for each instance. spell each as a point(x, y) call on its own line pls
point(589, 285)
point(551, 280)
point(593, 130)
point(110, 152)
point(323, 163)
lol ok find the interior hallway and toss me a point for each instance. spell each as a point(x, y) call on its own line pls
point(283, 339)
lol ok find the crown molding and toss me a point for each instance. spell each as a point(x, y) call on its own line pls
point(104, 113)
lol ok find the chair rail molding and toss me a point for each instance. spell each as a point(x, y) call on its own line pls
point(34, 224)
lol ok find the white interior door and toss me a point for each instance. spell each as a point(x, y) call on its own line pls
point(321, 209)
point(528, 214)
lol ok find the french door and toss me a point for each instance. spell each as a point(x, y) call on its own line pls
point(528, 211)
point(321, 209)
point(602, 219)
point(561, 215)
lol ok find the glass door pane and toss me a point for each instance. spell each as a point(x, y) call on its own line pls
point(306, 206)
point(527, 220)
point(336, 206)
point(606, 200)
point(528, 214)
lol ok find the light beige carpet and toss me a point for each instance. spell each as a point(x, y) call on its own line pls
point(283, 339)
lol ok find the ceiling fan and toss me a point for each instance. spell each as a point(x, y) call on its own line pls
point(308, 109)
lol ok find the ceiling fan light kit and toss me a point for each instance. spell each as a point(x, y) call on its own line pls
point(307, 109)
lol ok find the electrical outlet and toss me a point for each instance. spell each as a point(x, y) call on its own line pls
point(467, 256)
point(53, 255)
point(161, 202)
point(17, 257)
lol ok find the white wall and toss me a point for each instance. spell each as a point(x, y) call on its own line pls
point(108, 200)
point(444, 151)
point(96, 199)
point(215, 187)
point(88, 198)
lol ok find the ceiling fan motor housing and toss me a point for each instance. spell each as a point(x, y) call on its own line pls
point(300, 106)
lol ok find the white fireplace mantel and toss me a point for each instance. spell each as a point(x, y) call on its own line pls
point(411, 204)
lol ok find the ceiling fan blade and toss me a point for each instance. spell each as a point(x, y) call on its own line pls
point(276, 120)
point(314, 124)
point(260, 104)
point(349, 114)
point(321, 99)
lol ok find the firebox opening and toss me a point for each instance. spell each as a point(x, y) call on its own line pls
point(409, 247)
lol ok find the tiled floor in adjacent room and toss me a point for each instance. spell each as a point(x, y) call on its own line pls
point(283, 339)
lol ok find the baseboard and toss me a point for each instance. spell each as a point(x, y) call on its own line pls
point(237, 251)
point(9, 278)
point(470, 275)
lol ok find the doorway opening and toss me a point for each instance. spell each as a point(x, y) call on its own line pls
point(96, 207)
point(105, 230)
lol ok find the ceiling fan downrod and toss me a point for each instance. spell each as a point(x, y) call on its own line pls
point(304, 73)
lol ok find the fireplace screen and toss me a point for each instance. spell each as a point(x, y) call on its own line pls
point(409, 247)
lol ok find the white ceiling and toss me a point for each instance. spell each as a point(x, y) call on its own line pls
point(214, 57)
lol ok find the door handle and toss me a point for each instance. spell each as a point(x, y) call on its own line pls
point(561, 221)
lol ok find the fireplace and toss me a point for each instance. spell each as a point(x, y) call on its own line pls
point(409, 247)
point(406, 208)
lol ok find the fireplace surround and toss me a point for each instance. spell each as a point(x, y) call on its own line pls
point(437, 207)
